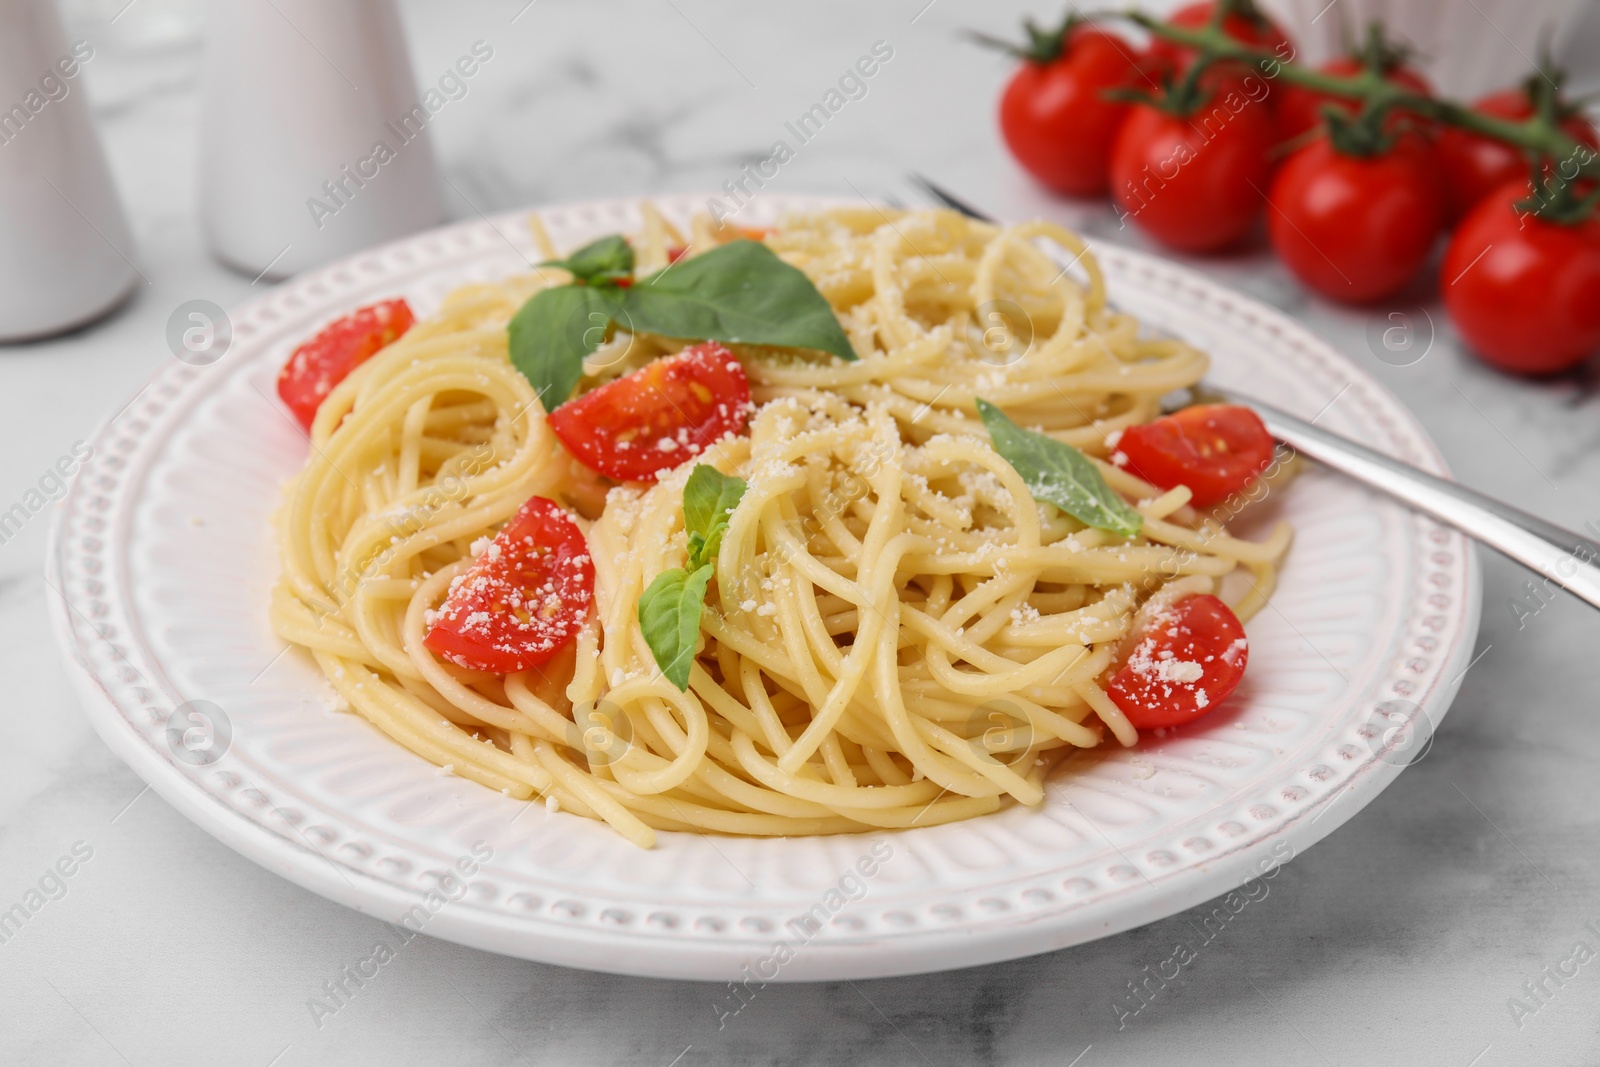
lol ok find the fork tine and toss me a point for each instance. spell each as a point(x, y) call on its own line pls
point(947, 198)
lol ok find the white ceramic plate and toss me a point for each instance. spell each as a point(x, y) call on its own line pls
point(163, 556)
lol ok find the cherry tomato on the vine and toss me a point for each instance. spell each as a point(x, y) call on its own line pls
point(1184, 660)
point(1356, 228)
point(1195, 183)
point(1054, 115)
point(1523, 291)
point(1245, 24)
point(1214, 449)
point(1475, 166)
point(1299, 108)
point(521, 600)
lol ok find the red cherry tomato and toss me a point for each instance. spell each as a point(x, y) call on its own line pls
point(1356, 228)
point(328, 358)
point(1195, 183)
point(1525, 293)
point(1055, 119)
point(1476, 166)
point(1214, 449)
point(657, 417)
point(520, 601)
point(1299, 109)
point(1186, 659)
point(1251, 28)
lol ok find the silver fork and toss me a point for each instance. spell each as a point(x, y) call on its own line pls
point(1565, 558)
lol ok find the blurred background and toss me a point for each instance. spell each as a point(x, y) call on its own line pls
point(1402, 938)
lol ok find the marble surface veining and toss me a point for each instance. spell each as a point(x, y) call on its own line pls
point(1399, 940)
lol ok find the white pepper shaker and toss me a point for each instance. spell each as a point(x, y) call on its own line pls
point(65, 250)
point(313, 141)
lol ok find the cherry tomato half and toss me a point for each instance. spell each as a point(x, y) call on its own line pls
point(1194, 183)
point(1299, 108)
point(328, 358)
point(1524, 292)
point(1056, 121)
point(522, 599)
point(657, 417)
point(1214, 449)
point(1475, 166)
point(1187, 658)
point(1356, 228)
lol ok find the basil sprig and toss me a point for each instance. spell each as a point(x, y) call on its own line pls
point(669, 616)
point(740, 292)
point(670, 609)
point(606, 260)
point(709, 497)
point(1056, 473)
point(552, 333)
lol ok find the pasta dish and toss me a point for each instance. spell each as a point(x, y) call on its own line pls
point(864, 521)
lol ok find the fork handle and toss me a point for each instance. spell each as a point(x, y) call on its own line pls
point(1560, 555)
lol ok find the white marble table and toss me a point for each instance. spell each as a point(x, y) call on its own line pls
point(1400, 939)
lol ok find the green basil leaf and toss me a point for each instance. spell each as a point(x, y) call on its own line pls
point(669, 616)
point(670, 609)
point(553, 331)
point(709, 497)
point(742, 293)
point(1056, 473)
point(604, 260)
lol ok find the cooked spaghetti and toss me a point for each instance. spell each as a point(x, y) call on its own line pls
point(899, 634)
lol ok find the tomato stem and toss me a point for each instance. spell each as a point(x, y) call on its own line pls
point(1554, 198)
point(1362, 134)
point(1043, 46)
point(1537, 136)
point(1245, 9)
point(1378, 54)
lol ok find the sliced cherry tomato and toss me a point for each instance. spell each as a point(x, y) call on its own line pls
point(1356, 228)
point(1524, 292)
point(1244, 24)
point(522, 599)
point(1195, 183)
point(1214, 449)
point(1055, 117)
point(657, 417)
point(1475, 166)
point(1299, 108)
point(328, 358)
point(1187, 658)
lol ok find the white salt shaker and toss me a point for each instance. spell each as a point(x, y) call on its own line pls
point(314, 141)
point(64, 242)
